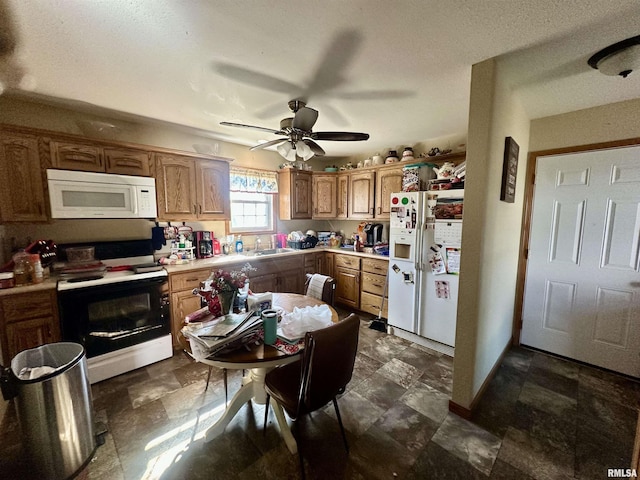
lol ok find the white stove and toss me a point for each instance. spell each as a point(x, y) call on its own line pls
point(121, 316)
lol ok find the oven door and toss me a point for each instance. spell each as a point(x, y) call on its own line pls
point(106, 318)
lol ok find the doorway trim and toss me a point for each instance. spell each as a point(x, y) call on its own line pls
point(525, 232)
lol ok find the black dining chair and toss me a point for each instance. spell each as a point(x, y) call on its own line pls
point(321, 287)
point(319, 376)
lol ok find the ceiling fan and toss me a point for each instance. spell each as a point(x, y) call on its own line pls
point(299, 138)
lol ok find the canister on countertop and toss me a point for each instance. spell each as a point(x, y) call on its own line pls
point(7, 280)
point(22, 269)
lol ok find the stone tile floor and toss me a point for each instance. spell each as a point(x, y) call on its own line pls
point(541, 417)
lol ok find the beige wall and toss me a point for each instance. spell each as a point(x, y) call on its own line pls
point(491, 232)
point(617, 121)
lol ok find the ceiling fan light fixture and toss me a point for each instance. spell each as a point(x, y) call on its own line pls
point(303, 150)
point(621, 58)
point(287, 151)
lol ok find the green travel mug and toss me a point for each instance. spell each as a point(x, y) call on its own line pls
point(270, 325)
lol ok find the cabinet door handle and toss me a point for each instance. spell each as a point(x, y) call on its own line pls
point(200, 207)
point(379, 210)
point(372, 209)
point(194, 209)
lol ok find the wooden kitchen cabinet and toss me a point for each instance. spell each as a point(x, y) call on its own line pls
point(183, 301)
point(28, 320)
point(191, 189)
point(325, 263)
point(361, 194)
point(346, 271)
point(127, 161)
point(325, 195)
point(263, 283)
point(295, 192)
point(373, 277)
point(66, 155)
point(92, 157)
point(22, 196)
point(212, 190)
point(388, 181)
point(342, 205)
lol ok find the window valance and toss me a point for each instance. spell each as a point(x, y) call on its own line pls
point(251, 180)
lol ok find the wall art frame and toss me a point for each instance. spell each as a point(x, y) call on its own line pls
point(509, 170)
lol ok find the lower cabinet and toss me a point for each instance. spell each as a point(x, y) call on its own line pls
point(28, 321)
point(374, 274)
point(346, 272)
point(183, 301)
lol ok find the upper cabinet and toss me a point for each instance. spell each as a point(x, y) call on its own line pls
point(191, 189)
point(76, 156)
point(295, 190)
point(127, 161)
point(22, 197)
point(343, 196)
point(90, 157)
point(361, 194)
point(324, 195)
point(388, 181)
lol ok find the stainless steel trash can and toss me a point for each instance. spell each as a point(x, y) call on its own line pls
point(55, 408)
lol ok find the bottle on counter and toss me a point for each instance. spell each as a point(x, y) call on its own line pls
point(38, 272)
point(239, 244)
point(216, 246)
point(357, 246)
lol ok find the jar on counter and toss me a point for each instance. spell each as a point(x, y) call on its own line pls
point(7, 280)
point(23, 268)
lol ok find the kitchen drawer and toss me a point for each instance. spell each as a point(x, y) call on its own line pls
point(28, 305)
point(371, 304)
point(375, 266)
point(347, 261)
point(372, 283)
point(188, 280)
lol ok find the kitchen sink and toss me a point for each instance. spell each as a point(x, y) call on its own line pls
point(268, 251)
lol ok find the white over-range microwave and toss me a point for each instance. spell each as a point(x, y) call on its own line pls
point(100, 195)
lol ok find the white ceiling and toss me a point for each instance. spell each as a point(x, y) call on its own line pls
point(399, 71)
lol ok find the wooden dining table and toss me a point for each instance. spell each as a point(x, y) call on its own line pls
point(258, 360)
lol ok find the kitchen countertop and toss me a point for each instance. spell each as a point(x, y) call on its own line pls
point(214, 262)
point(47, 284)
point(222, 260)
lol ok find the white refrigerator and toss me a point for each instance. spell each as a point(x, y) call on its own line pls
point(424, 256)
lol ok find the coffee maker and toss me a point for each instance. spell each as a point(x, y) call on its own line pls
point(203, 244)
point(373, 234)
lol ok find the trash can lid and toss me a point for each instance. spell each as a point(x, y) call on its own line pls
point(46, 361)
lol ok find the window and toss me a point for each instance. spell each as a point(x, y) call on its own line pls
point(251, 212)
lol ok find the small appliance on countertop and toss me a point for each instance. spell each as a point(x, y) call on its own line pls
point(372, 234)
point(204, 244)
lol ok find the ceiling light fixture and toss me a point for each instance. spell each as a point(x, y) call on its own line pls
point(292, 149)
point(287, 151)
point(618, 59)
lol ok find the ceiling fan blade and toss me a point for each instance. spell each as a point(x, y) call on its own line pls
point(241, 125)
point(315, 148)
point(340, 136)
point(305, 118)
point(268, 144)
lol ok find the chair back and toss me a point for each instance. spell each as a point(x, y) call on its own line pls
point(327, 363)
point(321, 287)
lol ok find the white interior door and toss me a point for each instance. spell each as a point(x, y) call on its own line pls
point(582, 290)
